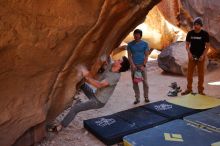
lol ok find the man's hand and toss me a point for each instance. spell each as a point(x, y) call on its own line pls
point(190, 56)
point(133, 67)
point(142, 67)
point(201, 58)
point(85, 72)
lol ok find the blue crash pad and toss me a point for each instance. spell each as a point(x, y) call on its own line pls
point(142, 118)
point(111, 129)
point(209, 119)
point(174, 133)
point(169, 110)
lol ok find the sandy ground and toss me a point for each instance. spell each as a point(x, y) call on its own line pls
point(122, 98)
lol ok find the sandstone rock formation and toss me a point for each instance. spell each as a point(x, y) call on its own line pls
point(41, 44)
point(160, 34)
point(173, 59)
point(182, 12)
point(210, 12)
point(157, 31)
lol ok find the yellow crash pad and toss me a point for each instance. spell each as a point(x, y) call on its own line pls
point(126, 143)
point(216, 144)
point(196, 101)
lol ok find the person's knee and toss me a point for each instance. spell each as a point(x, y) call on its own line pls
point(98, 104)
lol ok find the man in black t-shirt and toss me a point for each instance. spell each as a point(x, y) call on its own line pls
point(197, 44)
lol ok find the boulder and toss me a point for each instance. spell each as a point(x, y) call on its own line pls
point(42, 43)
point(174, 59)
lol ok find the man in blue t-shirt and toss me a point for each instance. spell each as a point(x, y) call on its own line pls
point(138, 51)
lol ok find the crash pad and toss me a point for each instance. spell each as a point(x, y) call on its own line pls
point(169, 110)
point(196, 101)
point(174, 133)
point(112, 128)
point(209, 119)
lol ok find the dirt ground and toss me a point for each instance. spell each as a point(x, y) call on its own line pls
point(122, 99)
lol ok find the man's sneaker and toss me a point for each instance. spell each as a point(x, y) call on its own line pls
point(136, 101)
point(186, 92)
point(147, 100)
point(202, 93)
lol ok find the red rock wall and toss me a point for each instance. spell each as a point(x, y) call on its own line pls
point(182, 12)
point(170, 9)
point(210, 12)
point(42, 43)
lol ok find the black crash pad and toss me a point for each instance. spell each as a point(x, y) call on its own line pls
point(169, 110)
point(209, 119)
point(174, 133)
point(111, 129)
point(142, 118)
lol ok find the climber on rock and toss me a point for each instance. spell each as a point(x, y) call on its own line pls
point(105, 87)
